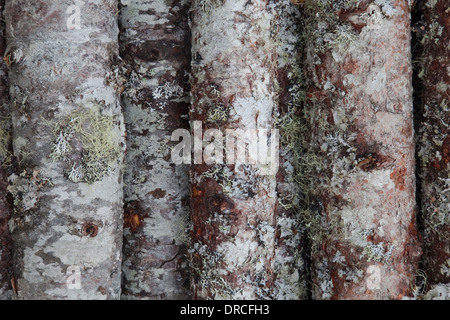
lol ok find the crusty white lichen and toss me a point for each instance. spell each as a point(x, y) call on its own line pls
point(100, 145)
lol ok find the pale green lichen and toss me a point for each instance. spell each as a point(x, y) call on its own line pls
point(434, 32)
point(208, 5)
point(294, 130)
point(163, 147)
point(323, 27)
point(221, 174)
point(217, 113)
point(377, 252)
point(5, 141)
point(100, 145)
point(183, 230)
point(208, 272)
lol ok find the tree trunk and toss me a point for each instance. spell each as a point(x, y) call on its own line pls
point(361, 220)
point(434, 140)
point(233, 203)
point(5, 157)
point(289, 266)
point(68, 141)
point(155, 42)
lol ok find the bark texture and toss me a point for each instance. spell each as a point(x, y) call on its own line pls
point(434, 141)
point(5, 157)
point(233, 207)
point(361, 218)
point(68, 141)
point(289, 267)
point(155, 45)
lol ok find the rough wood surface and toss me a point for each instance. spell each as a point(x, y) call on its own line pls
point(68, 142)
point(434, 140)
point(233, 207)
point(5, 149)
point(155, 45)
point(362, 217)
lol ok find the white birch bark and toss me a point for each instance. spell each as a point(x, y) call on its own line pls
point(68, 141)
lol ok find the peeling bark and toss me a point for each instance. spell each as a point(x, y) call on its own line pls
point(289, 266)
point(434, 140)
point(68, 141)
point(233, 206)
point(361, 220)
point(155, 44)
point(5, 208)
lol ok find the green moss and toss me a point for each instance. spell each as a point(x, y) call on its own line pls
point(100, 145)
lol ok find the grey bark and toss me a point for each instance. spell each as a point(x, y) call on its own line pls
point(155, 45)
point(68, 141)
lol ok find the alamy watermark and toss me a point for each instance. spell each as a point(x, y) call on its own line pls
point(73, 278)
point(374, 279)
point(257, 147)
point(74, 20)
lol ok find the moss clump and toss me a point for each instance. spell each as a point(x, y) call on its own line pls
point(100, 145)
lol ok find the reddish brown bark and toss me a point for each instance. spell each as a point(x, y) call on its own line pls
point(434, 138)
point(364, 235)
point(233, 207)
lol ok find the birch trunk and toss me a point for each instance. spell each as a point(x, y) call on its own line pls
point(5, 155)
point(434, 143)
point(68, 141)
point(290, 253)
point(233, 205)
point(155, 44)
point(362, 221)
